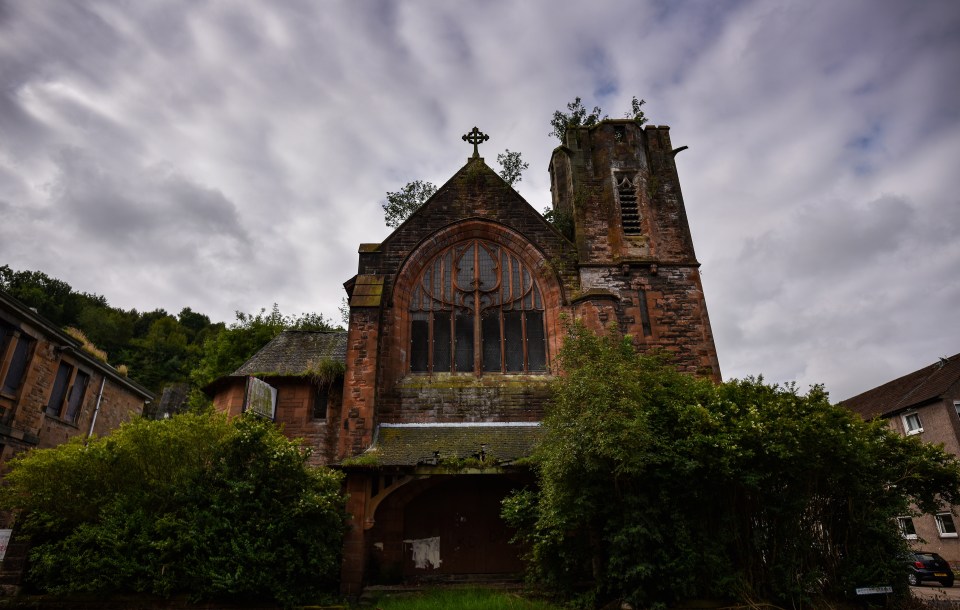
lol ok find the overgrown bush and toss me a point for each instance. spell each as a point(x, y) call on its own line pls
point(197, 504)
point(656, 486)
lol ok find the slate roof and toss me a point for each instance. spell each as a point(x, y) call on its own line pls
point(412, 444)
point(294, 352)
point(911, 390)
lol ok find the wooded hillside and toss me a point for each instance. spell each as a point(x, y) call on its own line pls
point(156, 347)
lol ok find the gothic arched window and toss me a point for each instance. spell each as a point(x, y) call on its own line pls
point(476, 308)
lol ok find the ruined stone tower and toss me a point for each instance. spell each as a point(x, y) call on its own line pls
point(616, 191)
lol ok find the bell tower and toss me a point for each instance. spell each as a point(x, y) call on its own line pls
point(617, 196)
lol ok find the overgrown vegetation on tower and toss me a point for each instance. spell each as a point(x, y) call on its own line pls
point(577, 116)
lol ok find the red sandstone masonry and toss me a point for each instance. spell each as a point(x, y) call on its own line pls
point(360, 380)
point(661, 261)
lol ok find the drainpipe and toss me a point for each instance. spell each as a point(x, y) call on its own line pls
point(96, 411)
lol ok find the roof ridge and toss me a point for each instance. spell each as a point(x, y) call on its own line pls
point(934, 368)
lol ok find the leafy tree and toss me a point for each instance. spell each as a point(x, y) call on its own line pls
point(52, 298)
point(657, 486)
point(561, 222)
point(344, 310)
point(111, 329)
point(512, 166)
point(577, 116)
point(225, 352)
point(162, 355)
point(194, 322)
point(635, 111)
point(400, 205)
point(197, 504)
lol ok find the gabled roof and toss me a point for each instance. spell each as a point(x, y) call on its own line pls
point(295, 352)
point(413, 444)
point(911, 390)
point(474, 191)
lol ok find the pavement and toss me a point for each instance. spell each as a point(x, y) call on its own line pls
point(937, 592)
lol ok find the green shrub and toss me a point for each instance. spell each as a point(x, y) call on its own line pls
point(197, 504)
point(655, 486)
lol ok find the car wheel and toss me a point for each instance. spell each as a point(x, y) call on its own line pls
point(947, 583)
point(913, 579)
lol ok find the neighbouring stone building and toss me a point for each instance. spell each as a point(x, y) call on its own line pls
point(52, 389)
point(304, 370)
point(925, 403)
point(438, 385)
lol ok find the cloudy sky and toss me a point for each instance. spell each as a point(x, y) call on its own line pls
point(228, 155)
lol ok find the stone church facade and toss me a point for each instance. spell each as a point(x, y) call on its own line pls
point(437, 387)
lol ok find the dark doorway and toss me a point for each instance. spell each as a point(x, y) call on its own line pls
point(455, 528)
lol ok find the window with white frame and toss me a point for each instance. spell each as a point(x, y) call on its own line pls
point(956, 406)
point(946, 526)
point(911, 423)
point(905, 525)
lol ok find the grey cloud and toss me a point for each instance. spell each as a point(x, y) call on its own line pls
point(150, 207)
point(231, 155)
point(834, 237)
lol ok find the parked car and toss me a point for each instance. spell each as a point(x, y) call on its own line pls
point(925, 566)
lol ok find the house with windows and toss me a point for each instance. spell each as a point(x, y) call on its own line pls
point(52, 389)
point(296, 380)
point(435, 392)
point(926, 404)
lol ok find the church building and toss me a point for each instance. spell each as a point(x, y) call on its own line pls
point(434, 394)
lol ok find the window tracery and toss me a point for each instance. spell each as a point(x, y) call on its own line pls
point(477, 308)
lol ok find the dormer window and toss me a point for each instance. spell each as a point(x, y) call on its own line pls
point(477, 309)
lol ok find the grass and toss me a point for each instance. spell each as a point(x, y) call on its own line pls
point(463, 599)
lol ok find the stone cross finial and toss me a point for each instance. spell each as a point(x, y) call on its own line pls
point(475, 137)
